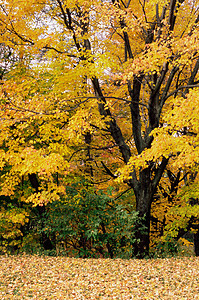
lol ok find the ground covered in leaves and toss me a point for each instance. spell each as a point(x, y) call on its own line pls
point(34, 277)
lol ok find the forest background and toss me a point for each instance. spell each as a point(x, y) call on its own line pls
point(99, 127)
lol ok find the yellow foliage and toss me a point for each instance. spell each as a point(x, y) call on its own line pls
point(10, 225)
point(97, 89)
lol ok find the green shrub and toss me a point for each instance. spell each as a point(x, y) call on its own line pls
point(91, 224)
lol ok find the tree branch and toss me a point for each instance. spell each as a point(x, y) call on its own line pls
point(159, 172)
point(123, 194)
point(135, 112)
point(166, 89)
point(68, 22)
point(114, 129)
point(171, 14)
point(181, 88)
point(153, 110)
point(193, 74)
point(108, 171)
point(63, 14)
point(174, 6)
point(59, 51)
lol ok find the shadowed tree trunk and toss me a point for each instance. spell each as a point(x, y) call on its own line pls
point(45, 240)
point(196, 243)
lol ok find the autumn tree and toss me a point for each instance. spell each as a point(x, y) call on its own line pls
point(115, 68)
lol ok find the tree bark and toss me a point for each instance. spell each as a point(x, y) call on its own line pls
point(142, 229)
point(45, 240)
point(196, 243)
point(144, 197)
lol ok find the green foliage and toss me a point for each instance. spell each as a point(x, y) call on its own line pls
point(91, 224)
point(84, 223)
point(12, 220)
point(167, 248)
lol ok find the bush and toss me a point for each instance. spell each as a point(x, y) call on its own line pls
point(90, 224)
point(167, 248)
point(85, 223)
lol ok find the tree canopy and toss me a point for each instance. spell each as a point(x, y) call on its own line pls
point(105, 90)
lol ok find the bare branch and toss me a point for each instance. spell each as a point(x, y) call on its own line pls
point(95, 97)
point(166, 89)
point(123, 3)
point(174, 6)
point(181, 88)
point(113, 127)
point(160, 19)
point(59, 51)
point(74, 154)
point(153, 110)
point(128, 3)
point(194, 73)
point(108, 171)
point(123, 194)
point(143, 9)
point(68, 23)
point(63, 14)
point(171, 14)
point(135, 111)
point(159, 172)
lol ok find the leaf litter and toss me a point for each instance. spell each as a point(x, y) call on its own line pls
point(43, 278)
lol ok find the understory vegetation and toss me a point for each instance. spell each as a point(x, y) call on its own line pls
point(84, 224)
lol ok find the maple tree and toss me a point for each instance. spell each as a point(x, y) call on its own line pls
point(101, 87)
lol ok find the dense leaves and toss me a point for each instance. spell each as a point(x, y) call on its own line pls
point(87, 224)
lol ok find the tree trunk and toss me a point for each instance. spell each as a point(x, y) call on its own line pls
point(45, 240)
point(144, 196)
point(196, 243)
point(141, 246)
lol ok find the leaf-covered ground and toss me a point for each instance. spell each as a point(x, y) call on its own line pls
point(34, 277)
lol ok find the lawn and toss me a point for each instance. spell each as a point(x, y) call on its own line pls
point(35, 277)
